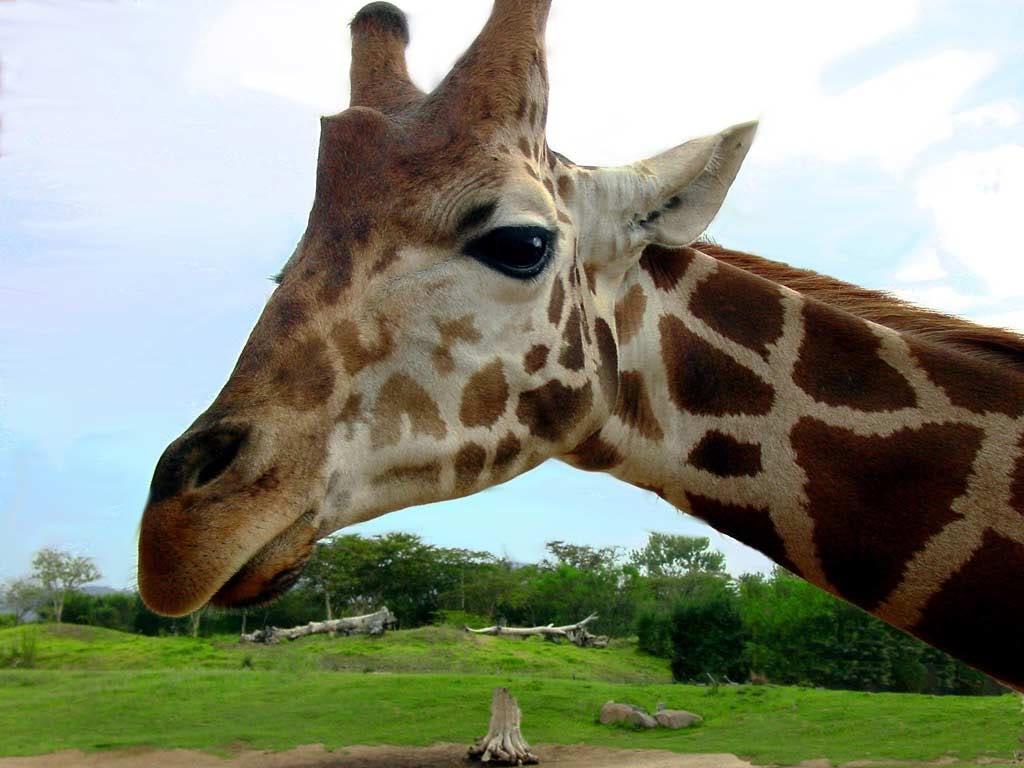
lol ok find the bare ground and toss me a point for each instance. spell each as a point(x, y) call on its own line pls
point(437, 756)
point(315, 756)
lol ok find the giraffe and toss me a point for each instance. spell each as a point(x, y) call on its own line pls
point(466, 303)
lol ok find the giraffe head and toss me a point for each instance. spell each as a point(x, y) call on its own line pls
point(445, 323)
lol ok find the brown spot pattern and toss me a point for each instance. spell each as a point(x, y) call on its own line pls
point(980, 388)
point(595, 454)
point(751, 525)
point(469, 463)
point(725, 456)
point(556, 302)
point(304, 378)
point(536, 358)
point(875, 501)
point(976, 614)
point(741, 307)
point(554, 410)
point(402, 396)
point(839, 364)
point(634, 406)
point(506, 452)
point(666, 266)
point(1017, 481)
point(422, 474)
point(452, 332)
point(590, 272)
point(608, 370)
point(629, 313)
point(484, 396)
point(572, 349)
point(705, 380)
point(565, 189)
point(356, 355)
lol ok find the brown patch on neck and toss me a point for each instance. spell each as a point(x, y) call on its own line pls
point(993, 345)
point(506, 453)
point(725, 456)
point(401, 396)
point(980, 389)
point(629, 313)
point(666, 266)
point(552, 411)
point(751, 525)
point(485, 396)
point(304, 378)
point(976, 614)
point(356, 355)
point(705, 380)
point(452, 332)
point(876, 501)
point(536, 358)
point(741, 307)
point(469, 463)
point(608, 364)
point(634, 406)
point(839, 364)
point(421, 474)
point(595, 454)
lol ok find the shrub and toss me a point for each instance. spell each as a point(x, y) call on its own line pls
point(21, 653)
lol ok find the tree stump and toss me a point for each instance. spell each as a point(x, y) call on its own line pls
point(504, 743)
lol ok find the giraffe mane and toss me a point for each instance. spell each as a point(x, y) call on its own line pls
point(996, 346)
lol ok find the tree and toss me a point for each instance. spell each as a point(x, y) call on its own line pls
point(21, 596)
point(59, 573)
point(668, 555)
point(582, 557)
point(706, 631)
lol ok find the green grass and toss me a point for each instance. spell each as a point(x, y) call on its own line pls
point(428, 649)
point(293, 696)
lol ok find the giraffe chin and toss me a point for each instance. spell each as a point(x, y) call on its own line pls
point(272, 571)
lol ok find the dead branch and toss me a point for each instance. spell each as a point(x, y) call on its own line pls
point(575, 633)
point(371, 624)
point(504, 743)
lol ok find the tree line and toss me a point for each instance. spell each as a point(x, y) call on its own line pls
point(673, 594)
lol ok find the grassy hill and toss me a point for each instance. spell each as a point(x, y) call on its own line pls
point(427, 649)
point(105, 689)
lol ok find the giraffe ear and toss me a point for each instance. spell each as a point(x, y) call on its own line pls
point(681, 190)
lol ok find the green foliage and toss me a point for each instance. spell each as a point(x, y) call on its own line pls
point(669, 555)
point(60, 573)
point(706, 631)
point(19, 650)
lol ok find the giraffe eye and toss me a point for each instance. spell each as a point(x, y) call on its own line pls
point(520, 252)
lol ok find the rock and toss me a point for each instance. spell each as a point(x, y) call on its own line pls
point(613, 712)
point(676, 718)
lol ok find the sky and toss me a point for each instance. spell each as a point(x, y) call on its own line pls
point(157, 163)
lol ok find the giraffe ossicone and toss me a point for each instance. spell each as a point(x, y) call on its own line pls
point(466, 303)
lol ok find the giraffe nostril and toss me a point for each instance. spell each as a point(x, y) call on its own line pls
point(221, 452)
point(195, 461)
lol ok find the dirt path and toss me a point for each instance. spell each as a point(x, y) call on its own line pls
point(315, 756)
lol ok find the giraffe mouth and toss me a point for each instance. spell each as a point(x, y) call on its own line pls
point(272, 570)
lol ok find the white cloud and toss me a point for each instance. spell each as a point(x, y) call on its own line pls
point(890, 119)
point(944, 298)
point(976, 200)
point(998, 114)
point(923, 266)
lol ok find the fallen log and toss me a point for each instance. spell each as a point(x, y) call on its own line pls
point(372, 624)
point(504, 743)
point(575, 633)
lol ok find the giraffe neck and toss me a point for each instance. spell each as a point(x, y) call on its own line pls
point(872, 463)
